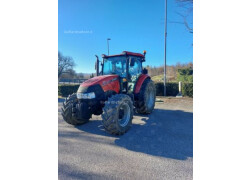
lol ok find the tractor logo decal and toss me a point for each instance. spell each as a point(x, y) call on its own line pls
point(109, 81)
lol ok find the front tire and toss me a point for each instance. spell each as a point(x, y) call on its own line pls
point(118, 114)
point(69, 111)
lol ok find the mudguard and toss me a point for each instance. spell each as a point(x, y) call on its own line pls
point(140, 81)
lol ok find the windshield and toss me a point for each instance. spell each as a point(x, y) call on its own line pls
point(115, 65)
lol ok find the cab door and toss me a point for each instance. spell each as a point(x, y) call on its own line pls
point(134, 70)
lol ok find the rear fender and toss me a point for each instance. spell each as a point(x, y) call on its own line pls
point(140, 81)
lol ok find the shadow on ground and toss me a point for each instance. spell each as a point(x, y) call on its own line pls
point(75, 173)
point(164, 133)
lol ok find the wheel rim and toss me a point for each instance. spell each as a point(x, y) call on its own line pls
point(151, 98)
point(124, 114)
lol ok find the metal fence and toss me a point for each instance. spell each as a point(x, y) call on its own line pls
point(71, 81)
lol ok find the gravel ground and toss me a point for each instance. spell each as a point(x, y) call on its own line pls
point(158, 146)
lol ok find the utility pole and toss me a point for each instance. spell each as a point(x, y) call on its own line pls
point(165, 50)
point(108, 44)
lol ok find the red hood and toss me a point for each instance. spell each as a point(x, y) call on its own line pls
point(102, 80)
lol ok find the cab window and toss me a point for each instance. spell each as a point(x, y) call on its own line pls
point(135, 67)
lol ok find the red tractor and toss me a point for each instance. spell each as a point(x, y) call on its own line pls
point(121, 87)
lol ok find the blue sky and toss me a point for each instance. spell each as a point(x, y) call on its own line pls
point(132, 25)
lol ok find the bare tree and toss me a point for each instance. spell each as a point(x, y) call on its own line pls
point(65, 64)
point(187, 9)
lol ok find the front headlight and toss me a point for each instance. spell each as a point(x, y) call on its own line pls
point(85, 95)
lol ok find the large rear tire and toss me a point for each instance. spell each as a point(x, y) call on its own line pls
point(69, 111)
point(118, 114)
point(146, 98)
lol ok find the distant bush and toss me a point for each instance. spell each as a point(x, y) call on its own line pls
point(185, 75)
point(187, 89)
point(65, 90)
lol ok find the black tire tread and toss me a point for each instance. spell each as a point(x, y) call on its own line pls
point(110, 117)
point(68, 115)
point(141, 107)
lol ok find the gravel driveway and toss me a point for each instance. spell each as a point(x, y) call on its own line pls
point(158, 146)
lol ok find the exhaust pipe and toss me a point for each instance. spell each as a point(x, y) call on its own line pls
point(97, 65)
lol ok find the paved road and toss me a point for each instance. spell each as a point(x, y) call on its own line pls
point(158, 146)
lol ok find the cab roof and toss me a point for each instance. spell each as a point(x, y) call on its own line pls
point(124, 53)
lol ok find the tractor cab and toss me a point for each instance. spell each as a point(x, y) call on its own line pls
point(127, 65)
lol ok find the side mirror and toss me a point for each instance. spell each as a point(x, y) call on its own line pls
point(144, 71)
point(131, 61)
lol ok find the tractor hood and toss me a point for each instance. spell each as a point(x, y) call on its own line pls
point(102, 80)
point(105, 82)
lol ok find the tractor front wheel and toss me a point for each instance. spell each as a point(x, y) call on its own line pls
point(69, 111)
point(118, 114)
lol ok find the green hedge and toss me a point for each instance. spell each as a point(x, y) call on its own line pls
point(65, 90)
point(173, 89)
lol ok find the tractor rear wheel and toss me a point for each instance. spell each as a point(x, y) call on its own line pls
point(69, 111)
point(146, 97)
point(118, 114)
